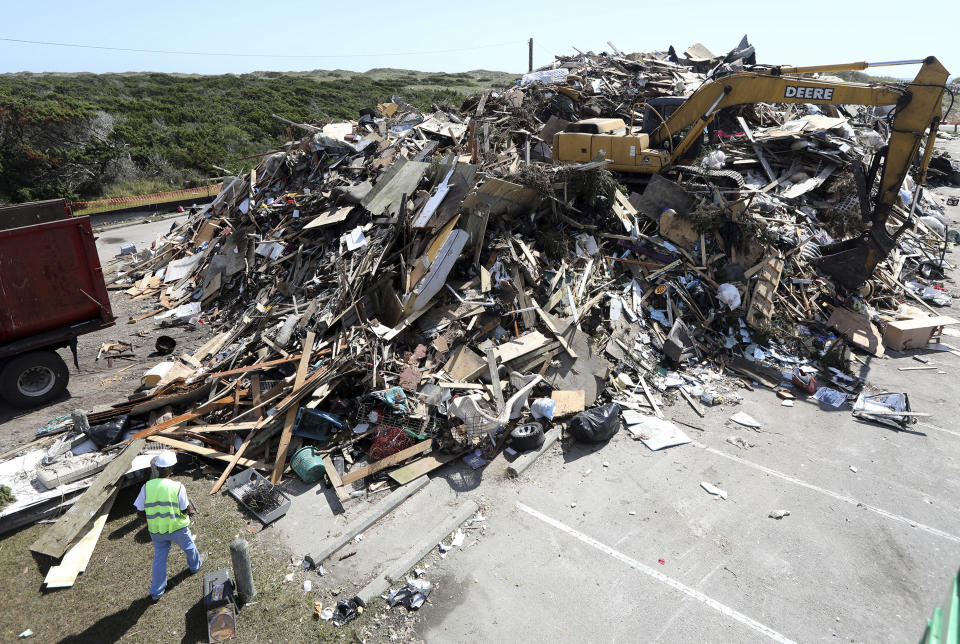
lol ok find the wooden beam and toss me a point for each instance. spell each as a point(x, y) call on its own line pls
point(253, 367)
point(179, 420)
point(407, 473)
point(292, 412)
point(207, 451)
point(55, 541)
point(335, 479)
point(548, 321)
point(76, 559)
point(384, 463)
point(226, 427)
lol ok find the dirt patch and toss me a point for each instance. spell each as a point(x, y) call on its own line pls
point(96, 385)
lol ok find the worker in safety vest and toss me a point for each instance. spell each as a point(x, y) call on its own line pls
point(165, 506)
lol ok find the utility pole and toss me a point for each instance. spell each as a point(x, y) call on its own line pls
point(530, 58)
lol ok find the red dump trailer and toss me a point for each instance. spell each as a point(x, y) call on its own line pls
point(51, 292)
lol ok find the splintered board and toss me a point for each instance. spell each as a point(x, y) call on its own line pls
point(78, 556)
point(58, 537)
point(765, 292)
point(407, 473)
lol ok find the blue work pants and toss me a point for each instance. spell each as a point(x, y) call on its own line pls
point(161, 548)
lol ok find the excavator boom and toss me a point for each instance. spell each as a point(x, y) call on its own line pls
point(917, 108)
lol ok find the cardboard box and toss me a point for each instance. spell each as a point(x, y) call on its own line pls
point(914, 334)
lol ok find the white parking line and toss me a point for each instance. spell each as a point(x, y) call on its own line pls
point(939, 429)
point(659, 576)
point(835, 495)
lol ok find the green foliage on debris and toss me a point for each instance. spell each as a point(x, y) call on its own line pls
point(87, 136)
point(6, 496)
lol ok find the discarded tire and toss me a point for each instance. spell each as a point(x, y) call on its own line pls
point(33, 379)
point(526, 437)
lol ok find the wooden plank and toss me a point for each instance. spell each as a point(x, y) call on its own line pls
point(235, 459)
point(78, 556)
point(529, 317)
point(55, 541)
point(384, 463)
point(335, 479)
point(292, 412)
point(253, 367)
point(513, 349)
point(179, 420)
point(653, 403)
point(494, 379)
point(225, 427)
point(208, 452)
point(548, 321)
point(407, 473)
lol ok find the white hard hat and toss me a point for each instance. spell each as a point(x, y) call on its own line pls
point(166, 458)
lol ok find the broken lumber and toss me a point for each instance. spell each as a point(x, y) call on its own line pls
point(384, 463)
point(55, 540)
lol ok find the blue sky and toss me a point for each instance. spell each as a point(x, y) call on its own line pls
point(455, 36)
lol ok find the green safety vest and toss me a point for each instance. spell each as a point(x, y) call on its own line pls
point(162, 507)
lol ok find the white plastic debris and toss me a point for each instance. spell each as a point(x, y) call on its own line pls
point(745, 419)
point(354, 239)
point(738, 442)
point(779, 514)
point(327, 614)
point(543, 408)
point(307, 585)
point(853, 469)
point(714, 490)
point(558, 75)
point(715, 160)
point(729, 295)
point(457, 539)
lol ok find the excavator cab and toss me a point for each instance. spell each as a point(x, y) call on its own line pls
point(657, 111)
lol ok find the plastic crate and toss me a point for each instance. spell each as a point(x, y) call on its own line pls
point(238, 484)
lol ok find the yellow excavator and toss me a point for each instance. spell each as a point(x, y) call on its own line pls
point(664, 142)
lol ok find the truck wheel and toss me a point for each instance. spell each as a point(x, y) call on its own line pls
point(33, 378)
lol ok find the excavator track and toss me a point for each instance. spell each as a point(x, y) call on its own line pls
point(728, 179)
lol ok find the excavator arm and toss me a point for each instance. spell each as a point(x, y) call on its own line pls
point(917, 108)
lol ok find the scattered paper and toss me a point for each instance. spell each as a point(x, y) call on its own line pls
point(655, 433)
point(830, 396)
point(354, 239)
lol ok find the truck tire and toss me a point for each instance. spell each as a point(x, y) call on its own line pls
point(526, 437)
point(33, 379)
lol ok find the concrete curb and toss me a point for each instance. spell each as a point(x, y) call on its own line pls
point(364, 521)
point(526, 460)
point(400, 568)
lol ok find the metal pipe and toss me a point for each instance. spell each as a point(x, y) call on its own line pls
point(890, 63)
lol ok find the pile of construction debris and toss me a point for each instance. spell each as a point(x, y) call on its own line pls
point(389, 294)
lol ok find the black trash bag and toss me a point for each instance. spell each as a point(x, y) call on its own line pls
point(412, 594)
point(596, 425)
point(108, 433)
point(347, 611)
